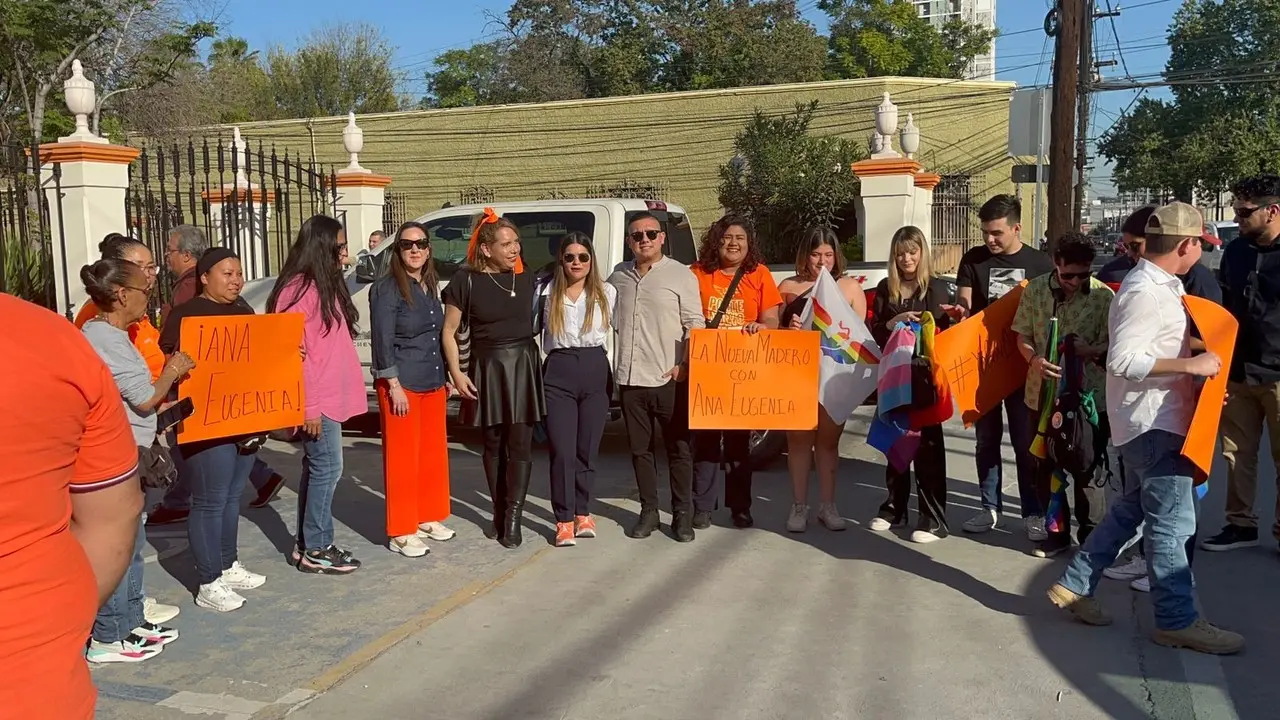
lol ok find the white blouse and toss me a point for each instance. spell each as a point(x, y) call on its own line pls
point(575, 317)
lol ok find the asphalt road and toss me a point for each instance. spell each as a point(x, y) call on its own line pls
point(738, 624)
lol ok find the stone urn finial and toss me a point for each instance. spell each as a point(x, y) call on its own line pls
point(910, 137)
point(887, 125)
point(81, 99)
point(353, 143)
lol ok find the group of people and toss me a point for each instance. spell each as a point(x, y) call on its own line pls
point(99, 430)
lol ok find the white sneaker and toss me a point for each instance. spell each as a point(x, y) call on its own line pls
point(830, 517)
point(924, 537)
point(436, 531)
point(237, 577)
point(1132, 570)
point(879, 524)
point(984, 521)
point(217, 596)
point(408, 546)
point(1034, 525)
point(798, 520)
point(130, 650)
point(1142, 584)
point(157, 613)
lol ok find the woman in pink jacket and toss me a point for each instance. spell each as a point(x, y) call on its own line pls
point(311, 283)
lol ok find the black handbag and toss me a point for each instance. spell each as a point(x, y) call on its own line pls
point(155, 467)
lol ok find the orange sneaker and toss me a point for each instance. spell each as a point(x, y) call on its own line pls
point(564, 535)
point(584, 526)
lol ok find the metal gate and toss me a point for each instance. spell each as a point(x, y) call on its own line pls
point(955, 221)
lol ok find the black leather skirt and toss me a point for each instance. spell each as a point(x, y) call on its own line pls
point(508, 380)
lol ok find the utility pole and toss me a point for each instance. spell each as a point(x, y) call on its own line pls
point(1066, 69)
point(1084, 81)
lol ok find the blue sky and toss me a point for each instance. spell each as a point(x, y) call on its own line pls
point(422, 29)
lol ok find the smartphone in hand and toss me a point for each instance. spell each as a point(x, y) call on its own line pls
point(175, 414)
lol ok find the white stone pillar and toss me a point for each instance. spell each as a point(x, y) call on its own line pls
point(887, 200)
point(87, 197)
point(362, 194)
point(925, 182)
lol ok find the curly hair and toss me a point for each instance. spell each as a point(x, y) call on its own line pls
point(713, 238)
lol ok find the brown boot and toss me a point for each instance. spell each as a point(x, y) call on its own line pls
point(1085, 609)
point(1201, 637)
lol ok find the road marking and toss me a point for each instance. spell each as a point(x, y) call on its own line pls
point(375, 648)
point(1207, 685)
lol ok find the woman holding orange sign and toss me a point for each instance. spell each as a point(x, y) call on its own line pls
point(737, 293)
point(819, 252)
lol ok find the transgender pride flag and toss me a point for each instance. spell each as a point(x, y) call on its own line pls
point(847, 371)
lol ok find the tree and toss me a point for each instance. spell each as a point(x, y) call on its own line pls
point(725, 43)
point(240, 89)
point(870, 38)
point(337, 69)
point(467, 77)
point(786, 179)
point(1223, 121)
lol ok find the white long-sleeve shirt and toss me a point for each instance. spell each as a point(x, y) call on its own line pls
point(1147, 322)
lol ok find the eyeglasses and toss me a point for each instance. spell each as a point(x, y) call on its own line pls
point(639, 235)
point(1134, 247)
point(580, 257)
point(423, 244)
point(1074, 276)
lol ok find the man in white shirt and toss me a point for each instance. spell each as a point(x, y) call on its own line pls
point(1150, 402)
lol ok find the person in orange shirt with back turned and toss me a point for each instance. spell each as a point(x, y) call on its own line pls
point(738, 293)
point(69, 507)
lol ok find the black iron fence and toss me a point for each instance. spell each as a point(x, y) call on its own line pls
point(26, 242)
point(249, 200)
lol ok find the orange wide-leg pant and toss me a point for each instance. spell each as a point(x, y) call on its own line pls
point(415, 460)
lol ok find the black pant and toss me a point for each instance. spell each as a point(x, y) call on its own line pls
point(577, 391)
point(735, 455)
point(646, 410)
point(1088, 495)
point(931, 480)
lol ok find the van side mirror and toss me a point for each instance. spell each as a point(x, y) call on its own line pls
point(366, 269)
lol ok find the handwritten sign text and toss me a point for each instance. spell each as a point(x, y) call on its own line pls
point(767, 381)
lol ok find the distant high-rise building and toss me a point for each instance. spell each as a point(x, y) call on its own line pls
point(981, 12)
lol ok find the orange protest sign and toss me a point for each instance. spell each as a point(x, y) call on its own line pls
point(248, 375)
point(981, 359)
point(1218, 330)
point(766, 381)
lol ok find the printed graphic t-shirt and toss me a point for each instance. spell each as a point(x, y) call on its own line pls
point(992, 276)
point(756, 293)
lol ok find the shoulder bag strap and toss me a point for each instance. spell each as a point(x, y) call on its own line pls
point(728, 296)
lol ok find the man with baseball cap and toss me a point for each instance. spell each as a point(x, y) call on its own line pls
point(1150, 403)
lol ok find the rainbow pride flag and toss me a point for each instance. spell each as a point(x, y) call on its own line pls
point(848, 368)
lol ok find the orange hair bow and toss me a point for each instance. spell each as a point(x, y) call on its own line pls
point(473, 249)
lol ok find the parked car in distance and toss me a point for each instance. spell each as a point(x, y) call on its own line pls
point(1224, 230)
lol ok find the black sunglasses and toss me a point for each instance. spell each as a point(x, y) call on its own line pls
point(580, 257)
point(1075, 276)
point(423, 244)
point(1246, 212)
point(639, 235)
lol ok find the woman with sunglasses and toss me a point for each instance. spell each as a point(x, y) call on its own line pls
point(576, 321)
point(819, 252)
point(502, 385)
point(729, 249)
point(311, 283)
point(218, 468)
point(406, 318)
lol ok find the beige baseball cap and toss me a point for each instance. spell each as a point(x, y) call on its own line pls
point(1178, 219)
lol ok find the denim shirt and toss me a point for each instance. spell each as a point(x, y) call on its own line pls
point(406, 338)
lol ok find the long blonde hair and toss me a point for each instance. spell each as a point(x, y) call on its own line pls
point(909, 237)
point(593, 287)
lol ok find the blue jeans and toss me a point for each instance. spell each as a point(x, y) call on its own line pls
point(1157, 488)
point(990, 436)
point(123, 610)
point(321, 468)
point(217, 474)
point(178, 496)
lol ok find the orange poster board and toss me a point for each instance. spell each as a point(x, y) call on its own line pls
point(248, 375)
point(766, 381)
point(1218, 330)
point(981, 358)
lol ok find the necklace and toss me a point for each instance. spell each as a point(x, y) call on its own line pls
point(512, 291)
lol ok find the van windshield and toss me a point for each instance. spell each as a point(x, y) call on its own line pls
point(680, 244)
point(540, 236)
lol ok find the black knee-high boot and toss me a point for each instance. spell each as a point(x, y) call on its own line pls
point(493, 467)
point(518, 473)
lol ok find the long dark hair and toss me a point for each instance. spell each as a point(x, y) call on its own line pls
point(593, 287)
point(400, 272)
point(313, 259)
point(713, 238)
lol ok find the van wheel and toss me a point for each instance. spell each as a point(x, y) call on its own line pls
point(766, 447)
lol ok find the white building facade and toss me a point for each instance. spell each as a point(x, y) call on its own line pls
point(980, 12)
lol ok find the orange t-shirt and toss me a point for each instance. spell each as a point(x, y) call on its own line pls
point(63, 430)
point(144, 335)
point(756, 293)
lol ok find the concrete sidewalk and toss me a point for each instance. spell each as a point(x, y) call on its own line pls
point(738, 624)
